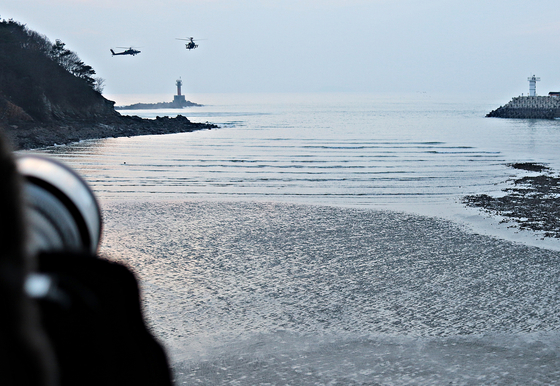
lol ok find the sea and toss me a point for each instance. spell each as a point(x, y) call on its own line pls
point(321, 239)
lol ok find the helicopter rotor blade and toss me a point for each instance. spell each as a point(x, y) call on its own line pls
point(190, 39)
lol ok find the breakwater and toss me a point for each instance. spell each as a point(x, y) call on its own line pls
point(531, 107)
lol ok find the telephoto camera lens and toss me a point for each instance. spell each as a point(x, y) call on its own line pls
point(62, 212)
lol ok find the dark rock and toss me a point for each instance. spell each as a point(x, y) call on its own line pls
point(31, 135)
point(529, 166)
point(531, 202)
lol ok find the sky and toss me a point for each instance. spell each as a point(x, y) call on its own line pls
point(485, 48)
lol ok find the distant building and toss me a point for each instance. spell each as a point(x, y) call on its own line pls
point(554, 93)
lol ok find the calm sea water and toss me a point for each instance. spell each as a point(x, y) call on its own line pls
point(320, 239)
point(418, 153)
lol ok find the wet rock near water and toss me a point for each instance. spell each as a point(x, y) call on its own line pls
point(32, 134)
point(530, 203)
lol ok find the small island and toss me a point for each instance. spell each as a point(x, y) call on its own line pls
point(178, 102)
point(48, 96)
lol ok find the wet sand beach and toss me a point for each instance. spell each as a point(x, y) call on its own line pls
point(227, 285)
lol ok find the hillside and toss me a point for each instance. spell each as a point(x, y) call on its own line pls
point(48, 95)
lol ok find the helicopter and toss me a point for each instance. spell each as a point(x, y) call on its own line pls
point(191, 45)
point(129, 51)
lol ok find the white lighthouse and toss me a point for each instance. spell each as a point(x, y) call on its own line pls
point(179, 100)
point(533, 85)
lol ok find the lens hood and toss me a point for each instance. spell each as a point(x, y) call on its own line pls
point(60, 206)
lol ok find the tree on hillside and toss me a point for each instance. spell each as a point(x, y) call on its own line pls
point(72, 63)
point(60, 54)
point(69, 60)
point(46, 80)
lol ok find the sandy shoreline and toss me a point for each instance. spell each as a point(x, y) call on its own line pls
point(257, 288)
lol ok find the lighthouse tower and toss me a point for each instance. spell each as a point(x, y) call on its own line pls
point(179, 100)
point(179, 83)
point(533, 85)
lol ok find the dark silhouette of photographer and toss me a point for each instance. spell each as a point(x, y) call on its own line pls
point(69, 316)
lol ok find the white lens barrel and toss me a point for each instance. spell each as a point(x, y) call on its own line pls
point(61, 209)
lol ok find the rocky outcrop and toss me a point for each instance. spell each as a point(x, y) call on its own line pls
point(32, 134)
point(98, 108)
point(10, 112)
point(529, 107)
point(529, 202)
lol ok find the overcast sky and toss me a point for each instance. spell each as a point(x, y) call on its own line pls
point(486, 47)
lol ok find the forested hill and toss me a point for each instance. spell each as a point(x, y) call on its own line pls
point(43, 81)
point(49, 96)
